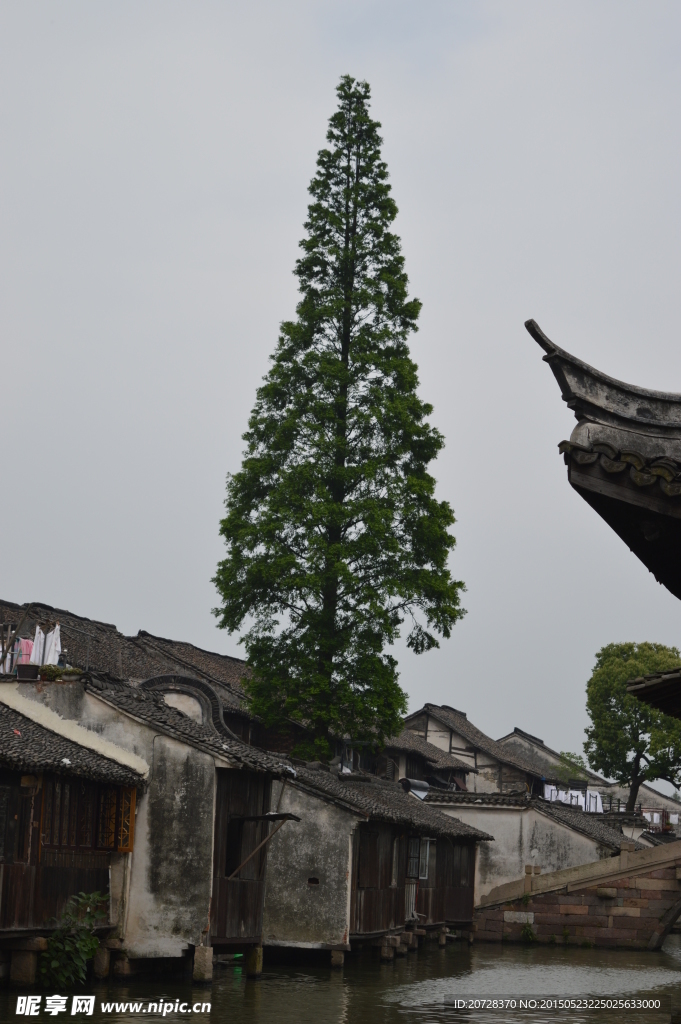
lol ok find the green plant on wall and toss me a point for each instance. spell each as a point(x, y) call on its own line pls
point(73, 943)
point(572, 766)
point(527, 933)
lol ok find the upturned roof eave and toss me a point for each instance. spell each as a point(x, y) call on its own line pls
point(592, 394)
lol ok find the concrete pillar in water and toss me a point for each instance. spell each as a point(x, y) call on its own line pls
point(337, 957)
point(24, 967)
point(102, 962)
point(254, 962)
point(203, 964)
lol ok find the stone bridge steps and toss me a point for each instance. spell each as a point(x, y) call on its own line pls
point(631, 900)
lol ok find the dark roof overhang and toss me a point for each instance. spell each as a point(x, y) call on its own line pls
point(661, 691)
point(624, 458)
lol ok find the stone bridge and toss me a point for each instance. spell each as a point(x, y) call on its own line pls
point(631, 900)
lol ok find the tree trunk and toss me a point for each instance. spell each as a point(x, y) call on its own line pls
point(636, 781)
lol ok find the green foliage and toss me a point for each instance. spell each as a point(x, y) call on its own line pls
point(552, 940)
point(628, 740)
point(49, 673)
point(72, 944)
point(572, 766)
point(333, 532)
point(525, 898)
point(527, 933)
point(566, 934)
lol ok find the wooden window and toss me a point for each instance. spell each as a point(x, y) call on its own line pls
point(456, 866)
point(414, 770)
point(465, 867)
point(424, 858)
point(106, 818)
point(82, 815)
point(413, 858)
point(5, 854)
point(233, 859)
point(23, 828)
point(126, 832)
point(367, 873)
point(85, 816)
point(395, 868)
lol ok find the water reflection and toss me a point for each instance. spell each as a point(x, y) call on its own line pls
point(413, 990)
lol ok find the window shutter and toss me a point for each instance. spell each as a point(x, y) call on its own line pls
point(106, 818)
point(126, 831)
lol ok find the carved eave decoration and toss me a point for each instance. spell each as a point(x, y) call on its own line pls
point(624, 458)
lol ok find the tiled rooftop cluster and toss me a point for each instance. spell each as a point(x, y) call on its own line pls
point(26, 746)
point(150, 707)
point(411, 743)
point(384, 801)
point(458, 721)
point(144, 656)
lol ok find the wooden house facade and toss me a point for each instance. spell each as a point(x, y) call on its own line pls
point(67, 816)
point(366, 860)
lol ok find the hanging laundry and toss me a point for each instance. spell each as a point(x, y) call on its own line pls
point(38, 647)
point(52, 647)
point(24, 652)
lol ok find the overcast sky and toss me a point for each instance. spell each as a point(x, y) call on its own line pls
point(155, 158)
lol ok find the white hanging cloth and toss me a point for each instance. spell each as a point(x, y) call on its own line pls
point(38, 647)
point(6, 666)
point(52, 647)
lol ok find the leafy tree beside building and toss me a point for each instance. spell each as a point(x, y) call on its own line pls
point(334, 534)
point(629, 741)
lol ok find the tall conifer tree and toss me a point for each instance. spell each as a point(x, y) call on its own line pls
point(333, 532)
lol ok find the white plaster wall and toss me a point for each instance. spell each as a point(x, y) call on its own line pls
point(438, 734)
point(487, 779)
point(171, 877)
point(459, 745)
point(521, 836)
point(319, 846)
point(185, 703)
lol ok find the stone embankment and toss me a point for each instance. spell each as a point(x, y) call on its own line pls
point(631, 900)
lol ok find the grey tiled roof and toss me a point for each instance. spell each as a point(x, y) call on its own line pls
point(143, 656)
point(660, 838)
point(588, 824)
point(458, 721)
point(592, 825)
point(448, 796)
point(26, 746)
point(150, 707)
point(410, 742)
point(381, 800)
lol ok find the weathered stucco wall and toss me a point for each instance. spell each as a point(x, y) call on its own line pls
point(185, 703)
point(438, 734)
point(298, 912)
point(162, 895)
point(522, 836)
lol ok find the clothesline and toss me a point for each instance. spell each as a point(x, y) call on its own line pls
point(42, 650)
point(590, 801)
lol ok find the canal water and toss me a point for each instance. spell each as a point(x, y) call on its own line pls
point(421, 988)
